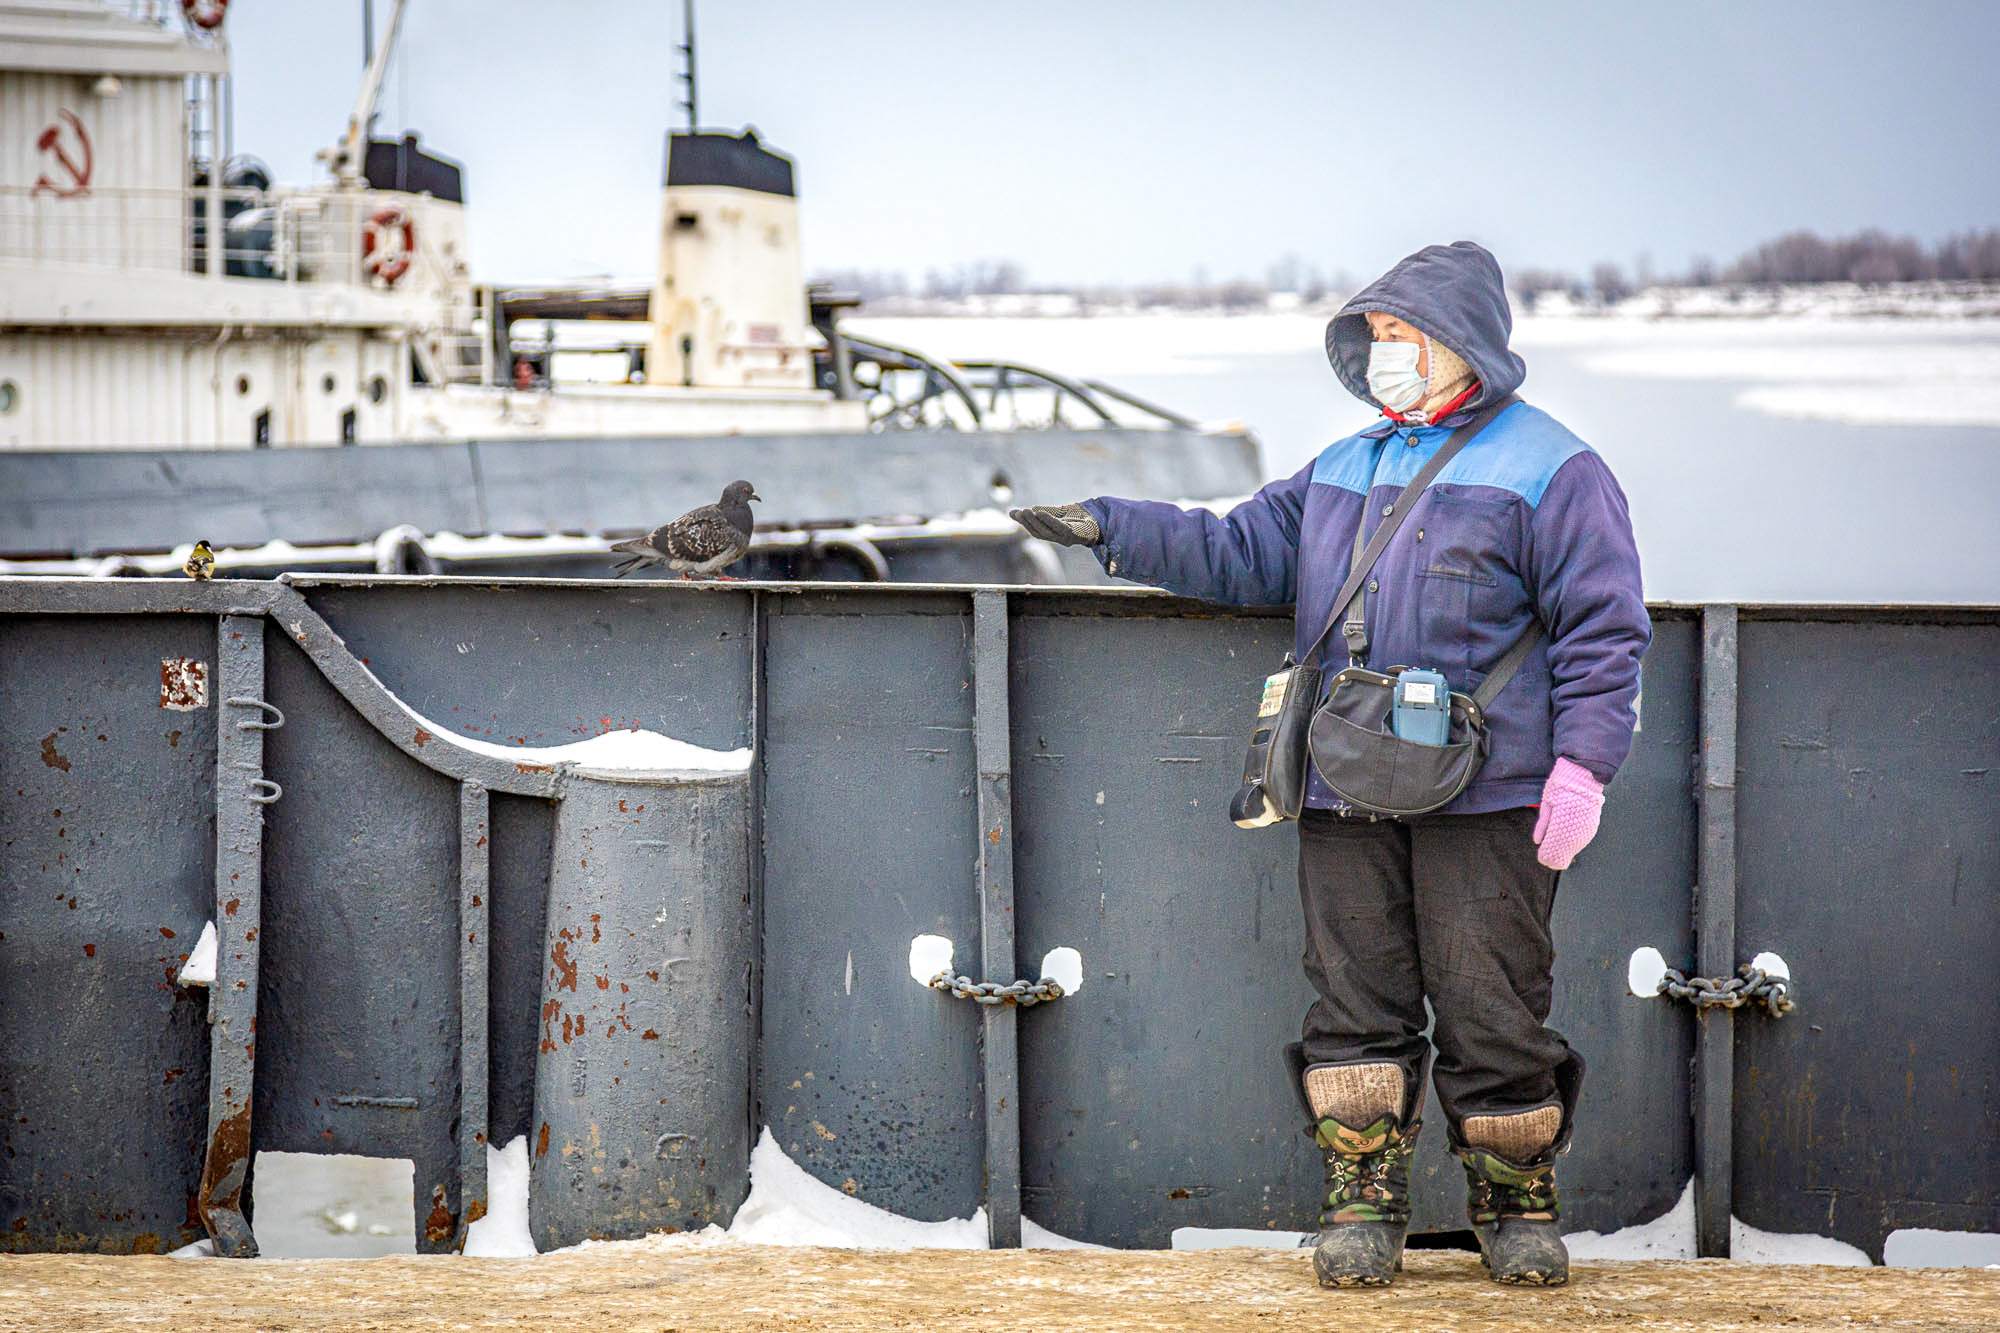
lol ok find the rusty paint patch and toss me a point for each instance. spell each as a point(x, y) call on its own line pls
point(183, 684)
point(649, 1035)
point(531, 768)
point(229, 908)
point(595, 935)
point(994, 837)
point(171, 1075)
point(474, 1211)
point(542, 1142)
point(604, 983)
point(222, 1172)
point(422, 738)
point(51, 756)
point(565, 969)
point(438, 1225)
point(173, 740)
point(167, 931)
point(90, 951)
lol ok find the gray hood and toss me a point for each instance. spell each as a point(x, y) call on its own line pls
point(1452, 292)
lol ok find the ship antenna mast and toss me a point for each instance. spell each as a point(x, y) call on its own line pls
point(687, 64)
point(344, 158)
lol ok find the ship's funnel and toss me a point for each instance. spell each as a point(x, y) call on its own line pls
point(729, 308)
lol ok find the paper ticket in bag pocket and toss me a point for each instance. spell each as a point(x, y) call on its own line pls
point(1274, 693)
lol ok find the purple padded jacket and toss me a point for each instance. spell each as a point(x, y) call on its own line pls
point(1525, 521)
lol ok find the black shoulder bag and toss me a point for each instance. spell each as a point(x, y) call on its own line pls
point(1348, 733)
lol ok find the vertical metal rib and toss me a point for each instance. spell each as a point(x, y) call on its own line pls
point(474, 904)
point(998, 1052)
point(1715, 933)
point(240, 796)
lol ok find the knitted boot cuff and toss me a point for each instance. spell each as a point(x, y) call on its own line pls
point(1519, 1137)
point(1355, 1095)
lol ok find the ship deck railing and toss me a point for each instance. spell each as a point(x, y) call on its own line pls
point(166, 230)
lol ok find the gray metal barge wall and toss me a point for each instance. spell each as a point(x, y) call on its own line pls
point(152, 500)
point(1013, 769)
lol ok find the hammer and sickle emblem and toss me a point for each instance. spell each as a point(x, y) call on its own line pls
point(52, 141)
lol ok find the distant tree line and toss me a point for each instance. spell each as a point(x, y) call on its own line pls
point(1870, 258)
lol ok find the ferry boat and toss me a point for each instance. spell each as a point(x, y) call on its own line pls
point(186, 347)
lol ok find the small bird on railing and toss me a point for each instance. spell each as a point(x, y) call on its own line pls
point(200, 562)
point(701, 541)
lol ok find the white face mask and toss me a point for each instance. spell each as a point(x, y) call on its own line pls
point(1393, 377)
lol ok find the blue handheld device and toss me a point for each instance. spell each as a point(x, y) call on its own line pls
point(1422, 711)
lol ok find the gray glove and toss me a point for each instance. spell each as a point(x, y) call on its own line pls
point(1065, 525)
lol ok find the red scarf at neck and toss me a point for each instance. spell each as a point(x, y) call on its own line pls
point(1442, 412)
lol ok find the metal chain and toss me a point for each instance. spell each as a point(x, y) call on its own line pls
point(1750, 985)
point(1022, 993)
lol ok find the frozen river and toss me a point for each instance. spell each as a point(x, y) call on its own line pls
point(1779, 459)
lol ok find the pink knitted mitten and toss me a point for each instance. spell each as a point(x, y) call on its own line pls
point(1571, 801)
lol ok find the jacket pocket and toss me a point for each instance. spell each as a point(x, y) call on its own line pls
point(1465, 573)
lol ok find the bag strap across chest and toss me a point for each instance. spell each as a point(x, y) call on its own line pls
point(1348, 605)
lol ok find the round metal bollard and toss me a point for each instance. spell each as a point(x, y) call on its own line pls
point(642, 1081)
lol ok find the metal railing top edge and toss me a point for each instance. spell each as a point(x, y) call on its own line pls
point(39, 594)
point(432, 746)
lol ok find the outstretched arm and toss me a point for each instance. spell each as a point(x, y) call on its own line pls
point(1248, 557)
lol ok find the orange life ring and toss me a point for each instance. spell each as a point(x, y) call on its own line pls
point(376, 259)
point(205, 13)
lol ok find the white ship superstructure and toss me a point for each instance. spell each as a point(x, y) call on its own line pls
point(340, 313)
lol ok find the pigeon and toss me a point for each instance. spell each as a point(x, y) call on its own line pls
point(200, 562)
point(700, 541)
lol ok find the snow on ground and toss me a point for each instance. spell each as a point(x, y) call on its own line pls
point(1229, 1238)
point(333, 1205)
point(1102, 347)
point(1865, 371)
point(787, 1205)
point(1805, 361)
point(1920, 1247)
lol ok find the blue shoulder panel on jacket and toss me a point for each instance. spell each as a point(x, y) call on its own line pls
point(1348, 463)
point(1520, 452)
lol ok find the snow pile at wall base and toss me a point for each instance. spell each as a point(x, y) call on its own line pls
point(1671, 1236)
point(503, 1232)
point(786, 1206)
point(1749, 1245)
point(1668, 1236)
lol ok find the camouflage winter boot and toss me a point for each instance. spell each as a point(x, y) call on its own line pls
point(1360, 1112)
point(1510, 1195)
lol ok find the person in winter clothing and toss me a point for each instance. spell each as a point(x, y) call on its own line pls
point(1526, 523)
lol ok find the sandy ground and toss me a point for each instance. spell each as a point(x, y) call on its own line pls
point(738, 1287)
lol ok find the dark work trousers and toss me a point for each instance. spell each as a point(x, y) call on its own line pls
point(1453, 908)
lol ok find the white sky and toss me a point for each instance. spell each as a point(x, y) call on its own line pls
point(1117, 141)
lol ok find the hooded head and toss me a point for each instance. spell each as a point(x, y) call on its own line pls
point(1455, 294)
